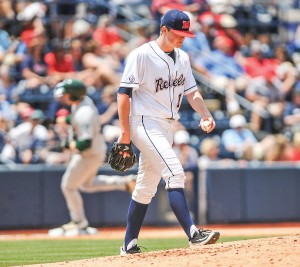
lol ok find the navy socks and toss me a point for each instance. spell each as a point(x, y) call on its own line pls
point(135, 218)
point(137, 212)
point(180, 208)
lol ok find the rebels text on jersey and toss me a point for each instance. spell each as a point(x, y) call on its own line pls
point(161, 84)
point(158, 82)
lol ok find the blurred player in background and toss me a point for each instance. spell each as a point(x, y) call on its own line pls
point(89, 155)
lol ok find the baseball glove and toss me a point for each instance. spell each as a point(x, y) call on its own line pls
point(116, 159)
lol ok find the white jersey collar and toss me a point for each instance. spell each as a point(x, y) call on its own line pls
point(160, 52)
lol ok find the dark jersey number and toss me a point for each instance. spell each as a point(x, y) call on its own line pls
point(179, 100)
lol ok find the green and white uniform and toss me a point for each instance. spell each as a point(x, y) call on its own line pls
point(81, 172)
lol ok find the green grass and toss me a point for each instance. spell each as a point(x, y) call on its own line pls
point(25, 252)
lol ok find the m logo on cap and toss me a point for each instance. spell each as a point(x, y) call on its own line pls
point(185, 24)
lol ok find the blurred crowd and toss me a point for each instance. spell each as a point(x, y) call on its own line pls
point(248, 69)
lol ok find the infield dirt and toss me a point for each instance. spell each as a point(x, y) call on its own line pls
point(279, 251)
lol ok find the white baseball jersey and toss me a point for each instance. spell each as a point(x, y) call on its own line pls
point(157, 92)
point(159, 85)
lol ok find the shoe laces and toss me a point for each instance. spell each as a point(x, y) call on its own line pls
point(202, 232)
point(135, 249)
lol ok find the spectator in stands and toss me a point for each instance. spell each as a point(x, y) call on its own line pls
point(7, 84)
point(286, 73)
point(12, 52)
point(27, 141)
point(34, 69)
point(242, 142)
point(209, 152)
point(281, 150)
point(107, 35)
point(110, 45)
point(14, 56)
point(222, 71)
point(23, 112)
point(187, 154)
point(30, 19)
point(267, 44)
point(67, 61)
point(226, 25)
point(141, 33)
point(221, 6)
point(77, 52)
point(208, 26)
point(6, 109)
point(105, 65)
point(291, 113)
point(107, 107)
point(5, 42)
point(268, 87)
point(257, 64)
point(81, 29)
point(198, 45)
point(7, 14)
point(58, 141)
point(59, 61)
point(263, 93)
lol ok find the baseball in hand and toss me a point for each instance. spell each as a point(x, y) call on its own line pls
point(205, 125)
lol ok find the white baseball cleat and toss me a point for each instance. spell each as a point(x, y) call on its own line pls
point(132, 248)
point(73, 229)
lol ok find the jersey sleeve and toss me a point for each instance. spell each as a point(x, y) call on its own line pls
point(132, 74)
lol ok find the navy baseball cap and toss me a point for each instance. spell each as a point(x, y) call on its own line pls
point(178, 22)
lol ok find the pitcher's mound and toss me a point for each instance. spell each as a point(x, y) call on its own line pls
point(275, 252)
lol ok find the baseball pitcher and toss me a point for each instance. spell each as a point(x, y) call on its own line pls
point(157, 76)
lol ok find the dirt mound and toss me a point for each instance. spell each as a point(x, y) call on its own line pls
point(275, 252)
